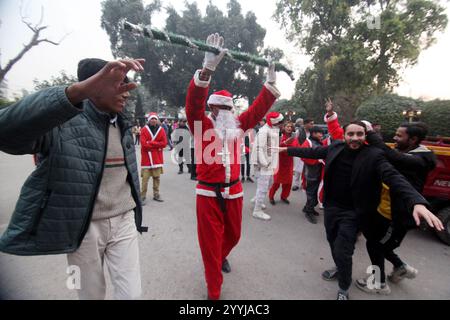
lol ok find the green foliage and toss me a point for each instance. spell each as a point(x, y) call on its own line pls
point(353, 59)
point(63, 79)
point(386, 110)
point(436, 114)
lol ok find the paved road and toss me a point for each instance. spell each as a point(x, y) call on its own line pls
point(280, 259)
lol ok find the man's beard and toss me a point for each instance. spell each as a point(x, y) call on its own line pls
point(227, 124)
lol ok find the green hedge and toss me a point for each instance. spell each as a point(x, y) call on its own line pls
point(386, 110)
point(436, 114)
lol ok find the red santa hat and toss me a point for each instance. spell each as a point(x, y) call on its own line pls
point(221, 98)
point(273, 118)
point(152, 115)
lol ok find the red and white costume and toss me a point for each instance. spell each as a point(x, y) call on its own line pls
point(218, 231)
point(152, 146)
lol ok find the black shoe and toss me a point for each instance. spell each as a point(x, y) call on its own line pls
point(330, 275)
point(158, 199)
point(243, 180)
point(314, 212)
point(285, 201)
point(295, 188)
point(310, 217)
point(193, 178)
point(272, 201)
point(180, 172)
point(250, 179)
point(226, 266)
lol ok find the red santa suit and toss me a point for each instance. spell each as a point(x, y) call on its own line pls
point(219, 191)
point(285, 171)
point(152, 146)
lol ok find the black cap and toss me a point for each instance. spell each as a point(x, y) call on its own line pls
point(88, 67)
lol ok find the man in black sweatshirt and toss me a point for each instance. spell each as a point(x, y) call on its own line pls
point(353, 175)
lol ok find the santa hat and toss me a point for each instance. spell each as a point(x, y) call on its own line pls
point(273, 118)
point(221, 98)
point(152, 115)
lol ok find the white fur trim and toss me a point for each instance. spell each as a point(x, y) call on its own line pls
point(330, 118)
point(200, 83)
point(272, 89)
point(277, 119)
point(209, 193)
point(152, 167)
point(220, 100)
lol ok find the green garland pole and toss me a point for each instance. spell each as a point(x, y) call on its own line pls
point(148, 32)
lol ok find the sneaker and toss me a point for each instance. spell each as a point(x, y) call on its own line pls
point(405, 271)
point(144, 202)
point(180, 172)
point(342, 295)
point(263, 206)
point(226, 266)
point(285, 201)
point(158, 198)
point(330, 275)
point(382, 288)
point(250, 180)
point(310, 217)
point(295, 188)
point(259, 214)
point(272, 201)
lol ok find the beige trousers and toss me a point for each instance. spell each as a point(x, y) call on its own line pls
point(115, 242)
point(155, 174)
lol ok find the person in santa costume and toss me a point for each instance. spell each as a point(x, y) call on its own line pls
point(217, 144)
point(284, 174)
point(265, 161)
point(153, 141)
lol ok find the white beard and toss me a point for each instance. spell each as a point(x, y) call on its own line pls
point(227, 123)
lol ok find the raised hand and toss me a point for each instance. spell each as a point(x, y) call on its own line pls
point(329, 107)
point(271, 75)
point(109, 81)
point(212, 60)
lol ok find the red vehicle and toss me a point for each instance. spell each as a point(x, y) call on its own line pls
point(437, 186)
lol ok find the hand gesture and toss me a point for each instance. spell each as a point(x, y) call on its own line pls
point(271, 75)
point(329, 107)
point(108, 82)
point(420, 211)
point(212, 60)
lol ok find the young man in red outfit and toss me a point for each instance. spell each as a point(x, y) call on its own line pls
point(153, 142)
point(219, 190)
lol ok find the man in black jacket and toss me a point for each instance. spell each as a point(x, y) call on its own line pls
point(83, 197)
point(388, 228)
point(352, 180)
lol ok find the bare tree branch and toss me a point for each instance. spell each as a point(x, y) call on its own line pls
point(34, 41)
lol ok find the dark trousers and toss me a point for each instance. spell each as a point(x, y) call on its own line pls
point(192, 168)
point(312, 187)
point(180, 159)
point(342, 227)
point(246, 165)
point(382, 238)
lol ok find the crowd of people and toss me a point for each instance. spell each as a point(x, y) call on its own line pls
point(85, 199)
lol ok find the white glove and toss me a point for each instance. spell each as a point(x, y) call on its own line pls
point(271, 75)
point(212, 60)
point(368, 125)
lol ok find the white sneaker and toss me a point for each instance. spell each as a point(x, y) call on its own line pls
point(381, 288)
point(263, 206)
point(259, 214)
point(405, 271)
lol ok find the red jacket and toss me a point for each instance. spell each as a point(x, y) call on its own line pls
point(210, 167)
point(152, 148)
point(285, 163)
